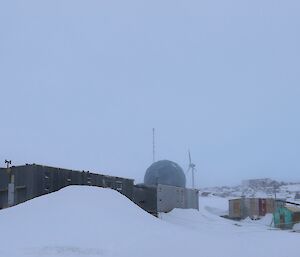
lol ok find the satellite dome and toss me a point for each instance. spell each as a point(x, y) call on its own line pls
point(166, 173)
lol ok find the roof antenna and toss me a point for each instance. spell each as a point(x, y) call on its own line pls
point(153, 145)
point(7, 163)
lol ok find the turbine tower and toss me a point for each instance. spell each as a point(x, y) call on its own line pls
point(192, 167)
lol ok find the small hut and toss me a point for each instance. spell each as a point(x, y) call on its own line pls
point(251, 207)
point(286, 216)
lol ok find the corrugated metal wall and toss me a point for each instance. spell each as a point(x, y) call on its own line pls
point(250, 207)
point(165, 198)
point(36, 180)
point(146, 198)
point(170, 197)
point(235, 209)
point(4, 178)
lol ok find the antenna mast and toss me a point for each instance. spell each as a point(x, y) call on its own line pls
point(153, 144)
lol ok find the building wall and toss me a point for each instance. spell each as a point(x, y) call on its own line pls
point(146, 198)
point(283, 218)
point(256, 182)
point(250, 207)
point(164, 198)
point(270, 205)
point(3, 188)
point(235, 209)
point(170, 197)
point(296, 217)
point(36, 180)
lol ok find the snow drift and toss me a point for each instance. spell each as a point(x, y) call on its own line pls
point(87, 221)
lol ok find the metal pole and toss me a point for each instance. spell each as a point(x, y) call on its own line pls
point(193, 181)
point(11, 185)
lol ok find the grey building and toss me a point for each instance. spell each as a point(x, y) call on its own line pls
point(33, 180)
point(163, 191)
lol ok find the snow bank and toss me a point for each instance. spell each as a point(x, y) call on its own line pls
point(296, 227)
point(87, 221)
point(214, 204)
point(267, 220)
point(76, 220)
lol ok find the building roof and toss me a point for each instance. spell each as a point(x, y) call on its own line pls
point(165, 172)
point(293, 208)
point(259, 198)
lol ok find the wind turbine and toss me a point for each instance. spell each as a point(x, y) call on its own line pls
point(191, 167)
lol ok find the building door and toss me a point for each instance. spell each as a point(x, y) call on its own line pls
point(262, 207)
point(281, 221)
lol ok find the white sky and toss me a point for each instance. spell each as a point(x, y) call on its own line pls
point(83, 83)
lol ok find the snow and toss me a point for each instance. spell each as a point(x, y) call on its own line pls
point(88, 221)
point(296, 227)
point(286, 191)
point(267, 220)
point(215, 205)
point(292, 188)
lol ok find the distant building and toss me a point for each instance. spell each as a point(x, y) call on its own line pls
point(286, 217)
point(205, 194)
point(297, 196)
point(254, 183)
point(250, 207)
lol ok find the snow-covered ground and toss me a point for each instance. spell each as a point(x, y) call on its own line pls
point(87, 221)
point(285, 191)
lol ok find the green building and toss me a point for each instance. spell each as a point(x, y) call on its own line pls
point(286, 216)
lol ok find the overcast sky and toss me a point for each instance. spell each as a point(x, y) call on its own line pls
point(84, 82)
